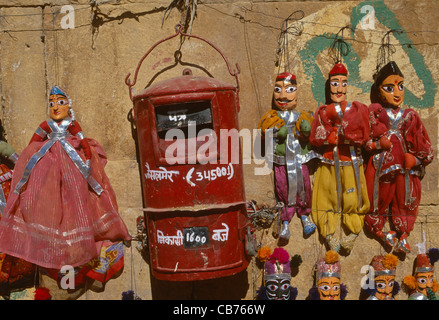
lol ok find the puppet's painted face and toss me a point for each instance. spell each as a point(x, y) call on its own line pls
point(384, 287)
point(58, 107)
point(424, 280)
point(285, 95)
point(391, 91)
point(329, 288)
point(278, 288)
point(338, 86)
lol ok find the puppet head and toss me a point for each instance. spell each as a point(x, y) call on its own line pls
point(384, 276)
point(59, 104)
point(389, 85)
point(277, 275)
point(285, 91)
point(328, 276)
point(423, 280)
point(338, 83)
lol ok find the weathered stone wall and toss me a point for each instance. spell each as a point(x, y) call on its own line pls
point(92, 59)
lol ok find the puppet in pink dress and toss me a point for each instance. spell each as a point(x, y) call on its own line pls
point(62, 206)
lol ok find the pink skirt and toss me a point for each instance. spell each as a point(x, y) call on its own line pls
point(57, 219)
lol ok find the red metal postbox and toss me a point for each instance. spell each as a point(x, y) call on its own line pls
point(194, 197)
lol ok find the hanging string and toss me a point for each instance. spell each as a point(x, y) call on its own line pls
point(339, 47)
point(188, 9)
point(256, 273)
point(252, 68)
point(386, 49)
point(287, 28)
point(56, 55)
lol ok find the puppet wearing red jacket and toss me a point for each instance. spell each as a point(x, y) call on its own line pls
point(339, 131)
point(400, 149)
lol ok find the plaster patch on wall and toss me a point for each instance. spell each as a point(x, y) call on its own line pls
point(16, 65)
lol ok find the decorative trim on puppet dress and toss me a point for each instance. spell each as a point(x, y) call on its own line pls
point(58, 134)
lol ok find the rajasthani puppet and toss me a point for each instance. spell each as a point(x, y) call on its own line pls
point(327, 280)
point(422, 285)
point(291, 151)
point(384, 272)
point(277, 275)
point(62, 206)
point(400, 149)
point(340, 129)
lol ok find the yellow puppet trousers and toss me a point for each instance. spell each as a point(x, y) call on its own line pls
point(325, 199)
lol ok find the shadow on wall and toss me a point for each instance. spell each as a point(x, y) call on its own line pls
point(227, 288)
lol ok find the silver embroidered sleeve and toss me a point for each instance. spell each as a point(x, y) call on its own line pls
point(80, 135)
point(41, 132)
point(14, 157)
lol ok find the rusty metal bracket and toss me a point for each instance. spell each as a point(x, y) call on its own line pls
point(178, 29)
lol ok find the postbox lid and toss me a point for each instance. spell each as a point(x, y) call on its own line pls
point(184, 84)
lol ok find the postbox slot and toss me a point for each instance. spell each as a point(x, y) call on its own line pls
point(185, 129)
point(182, 115)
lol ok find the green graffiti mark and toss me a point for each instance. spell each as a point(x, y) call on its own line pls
point(309, 54)
point(386, 17)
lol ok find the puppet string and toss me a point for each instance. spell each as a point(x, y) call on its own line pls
point(287, 28)
point(386, 49)
point(339, 47)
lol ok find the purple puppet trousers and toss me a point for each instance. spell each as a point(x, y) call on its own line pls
point(281, 188)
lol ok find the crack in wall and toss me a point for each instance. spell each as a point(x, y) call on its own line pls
point(99, 18)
